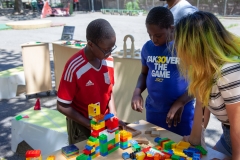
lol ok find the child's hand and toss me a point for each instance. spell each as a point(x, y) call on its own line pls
point(175, 115)
point(137, 103)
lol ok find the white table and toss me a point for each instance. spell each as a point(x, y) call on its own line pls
point(142, 126)
point(45, 129)
point(9, 80)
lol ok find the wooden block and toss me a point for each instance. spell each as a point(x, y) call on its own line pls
point(155, 134)
point(149, 130)
point(142, 140)
point(132, 130)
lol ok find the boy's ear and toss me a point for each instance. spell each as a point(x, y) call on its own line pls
point(89, 43)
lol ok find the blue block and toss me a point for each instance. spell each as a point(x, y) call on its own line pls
point(133, 142)
point(104, 154)
point(117, 144)
point(108, 116)
point(88, 147)
point(157, 139)
point(125, 155)
point(103, 141)
point(181, 158)
point(70, 149)
point(124, 147)
point(194, 149)
point(196, 156)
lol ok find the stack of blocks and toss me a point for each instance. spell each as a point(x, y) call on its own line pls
point(125, 137)
point(165, 149)
point(70, 151)
point(105, 135)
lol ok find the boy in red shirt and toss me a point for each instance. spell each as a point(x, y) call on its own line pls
point(88, 78)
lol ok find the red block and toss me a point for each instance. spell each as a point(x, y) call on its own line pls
point(146, 149)
point(95, 134)
point(87, 152)
point(112, 123)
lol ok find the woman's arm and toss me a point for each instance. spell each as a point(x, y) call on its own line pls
point(195, 136)
point(233, 111)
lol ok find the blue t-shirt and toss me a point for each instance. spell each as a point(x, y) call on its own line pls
point(164, 83)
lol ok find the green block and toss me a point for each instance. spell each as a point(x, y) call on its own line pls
point(175, 157)
point(112, 150)
point(117, 131)
point(102, 137)
point(124, 143)
point(93, 122)
point(163, 139)
point(111, 142)
point(202, 150)
point(18, 117)
point(103, 148)
point(92, 139)
point(136, 147)
point(82, 157)
point(168, 145)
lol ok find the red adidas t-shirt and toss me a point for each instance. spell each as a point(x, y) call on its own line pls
point(82, 84)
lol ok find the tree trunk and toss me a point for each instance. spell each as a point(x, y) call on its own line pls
point(18, 6)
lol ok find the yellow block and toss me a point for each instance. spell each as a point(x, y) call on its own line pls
point(93, 110)
point(117, 138)
point(90, 143)
point(182, 145)
point(140, 156)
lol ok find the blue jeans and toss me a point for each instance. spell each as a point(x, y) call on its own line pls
point(224, 143)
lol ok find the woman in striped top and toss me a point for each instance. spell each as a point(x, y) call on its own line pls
point(210, 60)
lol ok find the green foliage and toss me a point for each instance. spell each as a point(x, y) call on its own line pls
point(132, 5)
point(231, 26)
point(129, 6)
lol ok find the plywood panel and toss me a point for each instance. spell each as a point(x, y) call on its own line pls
point(61, 54)
point(36, 63)
point(126, 72)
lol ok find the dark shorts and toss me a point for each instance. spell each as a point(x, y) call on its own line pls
point(224, 143)
point(76, 132)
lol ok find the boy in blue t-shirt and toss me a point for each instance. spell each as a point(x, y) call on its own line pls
point(167, 101)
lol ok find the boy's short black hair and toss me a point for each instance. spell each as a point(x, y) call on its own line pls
point(160, 16)
point(98, 30)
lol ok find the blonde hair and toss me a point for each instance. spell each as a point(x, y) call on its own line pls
point(203, 46)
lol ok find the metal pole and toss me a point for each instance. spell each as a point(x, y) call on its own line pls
point(102, 5)
point(197, 3)
point(92, 6)
point(225, 7)
point(118, 5)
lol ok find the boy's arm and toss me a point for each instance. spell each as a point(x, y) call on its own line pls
point(176, 109)
point(68, 111)
point(137, 100)
point(141, 83)
point(111, 105)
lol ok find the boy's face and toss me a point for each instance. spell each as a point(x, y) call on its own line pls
point(104, 48)
point(159, 36)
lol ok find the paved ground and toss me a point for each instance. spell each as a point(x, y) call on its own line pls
point(10, 56)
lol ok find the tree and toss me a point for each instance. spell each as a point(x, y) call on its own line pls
point(18, 6)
